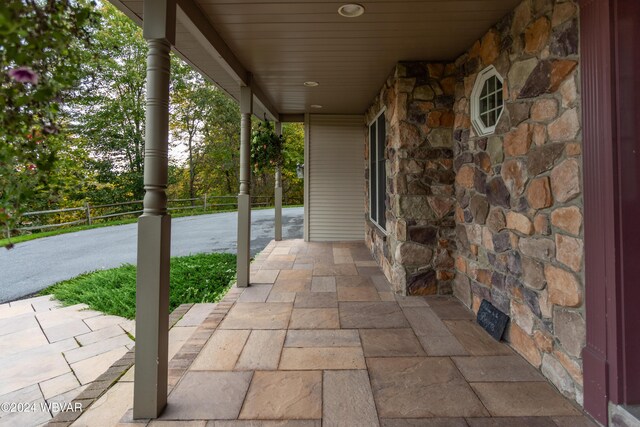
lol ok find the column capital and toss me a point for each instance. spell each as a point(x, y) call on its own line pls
point(246, 100)
point(160, 20)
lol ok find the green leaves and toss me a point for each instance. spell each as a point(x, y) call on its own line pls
point(266, 147)
point(32, 36)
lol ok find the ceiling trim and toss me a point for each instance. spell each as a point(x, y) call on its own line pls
point(202, 29)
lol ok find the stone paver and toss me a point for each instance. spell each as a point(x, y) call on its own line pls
point(258, 316)
point(49, 353)
point(322, 358)
point(417, 387)
point(255, 293)
point(496, 368)
point(107, 410)
point(262, 350)
point(348, 400)
point(59, 385)
point(316, 300)
point(323, 284)
point(196, 315)
point(359, 315)
point(284, 395)
point(208, 395)
point(359, 293)
point(322, 338)
point(99, 335)
point(508, 399)
point(390, 343)
point(314, 318)
point(265, 276)
point(21, 341)
point(222, 351)
point(66, 330)
point(97, 348)
point(88, 370)
point(325, 342)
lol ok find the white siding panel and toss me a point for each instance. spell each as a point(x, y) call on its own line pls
point(336, 178)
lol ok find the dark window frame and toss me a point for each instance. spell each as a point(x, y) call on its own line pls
point(377, 171)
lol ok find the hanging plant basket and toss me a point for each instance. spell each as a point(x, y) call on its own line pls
point(266, 147)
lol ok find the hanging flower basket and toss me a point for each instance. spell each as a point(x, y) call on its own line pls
point(266, 147)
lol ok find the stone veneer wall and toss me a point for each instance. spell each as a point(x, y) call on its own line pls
point(416, 254)
point(518, 210)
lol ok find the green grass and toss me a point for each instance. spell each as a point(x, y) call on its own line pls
point(194, 279)
point(27, 237)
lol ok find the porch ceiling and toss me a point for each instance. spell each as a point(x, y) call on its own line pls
point(285, 43)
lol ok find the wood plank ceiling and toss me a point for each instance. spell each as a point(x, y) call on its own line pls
point(285, 43)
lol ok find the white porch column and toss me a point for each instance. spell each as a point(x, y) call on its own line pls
point(154, 226)
point(244, 196)
point(278, 194)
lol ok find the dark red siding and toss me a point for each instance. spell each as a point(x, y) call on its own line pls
point(610, 91)
point(627, 31)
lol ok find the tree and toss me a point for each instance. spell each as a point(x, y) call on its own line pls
point(109, 109)
point(41, 49)
point(293, 150)
point(192, 102)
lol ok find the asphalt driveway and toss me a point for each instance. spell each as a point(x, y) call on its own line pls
point(36, 264)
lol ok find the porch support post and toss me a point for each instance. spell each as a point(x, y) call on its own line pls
point(154, 226)
point(244, 196)
point(278, 194)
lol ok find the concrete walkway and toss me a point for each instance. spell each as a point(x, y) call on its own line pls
point(49, 354)
point(322, 340)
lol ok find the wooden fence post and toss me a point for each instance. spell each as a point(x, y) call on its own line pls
point(87, 207)
point(205, 201)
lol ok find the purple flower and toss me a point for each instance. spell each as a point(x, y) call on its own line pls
point(24, 75)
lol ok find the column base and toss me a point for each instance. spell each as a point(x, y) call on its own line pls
point(278, 219)
point(152, 316)
point(244, 240)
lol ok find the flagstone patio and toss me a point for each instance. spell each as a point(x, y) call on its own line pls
point(49, 354)
point(323, 341)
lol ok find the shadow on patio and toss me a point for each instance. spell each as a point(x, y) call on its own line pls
point(324, 341)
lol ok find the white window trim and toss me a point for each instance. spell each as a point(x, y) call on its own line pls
point(478, 125)
point(374, 120)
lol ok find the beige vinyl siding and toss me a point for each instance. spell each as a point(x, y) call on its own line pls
point(335, 178)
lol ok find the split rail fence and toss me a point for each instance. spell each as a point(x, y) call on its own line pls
point(87, 214)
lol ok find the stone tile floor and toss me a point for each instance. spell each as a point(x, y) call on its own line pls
point(320, 339)
point(50, 353)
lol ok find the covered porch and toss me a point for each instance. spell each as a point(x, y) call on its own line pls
point(320, 339)
point(449, 137)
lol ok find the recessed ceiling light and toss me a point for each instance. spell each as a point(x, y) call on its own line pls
point(351, 10)
point(311, 84)
point(315, 106)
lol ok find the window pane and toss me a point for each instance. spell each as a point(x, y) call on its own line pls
point(492, 84)
point(382, 137)
point(372, 171)
point(382, 175)
point(484, 117)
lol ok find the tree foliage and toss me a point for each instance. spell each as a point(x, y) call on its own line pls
point(72, 115)
point(109, 111)
point(41, 45)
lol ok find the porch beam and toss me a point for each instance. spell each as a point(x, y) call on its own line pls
point(263, 101)
point(221, 51)
point(154, 225)
point(278, 194)
point(292, 118)
point(244, 195)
